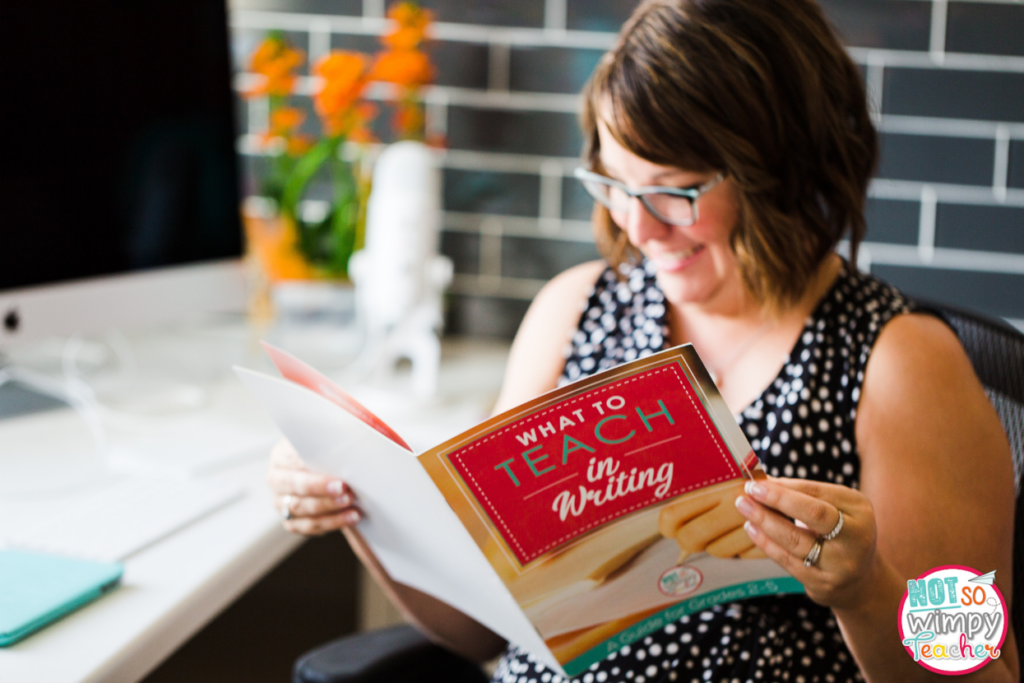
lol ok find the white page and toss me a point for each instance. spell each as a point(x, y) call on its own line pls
point(410, 527)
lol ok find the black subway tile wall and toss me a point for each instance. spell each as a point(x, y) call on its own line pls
point(576, 203)
point(485, 316)
point(598, 15)
point(526, 258)
point(985, 28)
point(491, 192)
point(342, 7)
point(513, 132)
point(954, 94)
point(892, 221)
point(945, 211)
point(891, 24)
point(458, 64)
point(355, 42)
point(1002, 293)
point(551, 69)
point(985, 228)
point(936, 159)
point(1015, 174)
point(519, 13)
point(310, 125)
point(463, 249)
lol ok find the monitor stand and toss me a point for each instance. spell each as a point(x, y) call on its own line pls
point(16, 399)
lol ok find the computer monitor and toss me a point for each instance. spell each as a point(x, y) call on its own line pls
point(119, 200)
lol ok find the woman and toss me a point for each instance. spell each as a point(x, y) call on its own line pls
point(729, 149)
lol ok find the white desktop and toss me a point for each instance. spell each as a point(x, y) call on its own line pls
point(201, 467)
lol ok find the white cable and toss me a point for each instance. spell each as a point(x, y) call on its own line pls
point(128, 371)
point(75, 393)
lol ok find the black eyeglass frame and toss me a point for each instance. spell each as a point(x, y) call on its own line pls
point(692, 194)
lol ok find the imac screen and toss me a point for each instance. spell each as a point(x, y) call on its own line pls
point(117, 139)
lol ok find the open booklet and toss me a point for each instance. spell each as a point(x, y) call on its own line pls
point(572, 525)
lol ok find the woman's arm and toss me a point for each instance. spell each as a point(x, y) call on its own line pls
point(936, 465)
point(319, 503)
point(323, 504)
point(936, 488)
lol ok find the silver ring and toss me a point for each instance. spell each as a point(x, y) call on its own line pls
point(812, 556)
point(286, 506)
point(835, 531)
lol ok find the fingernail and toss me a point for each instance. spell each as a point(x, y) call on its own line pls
point(744, 505)
point(751, 530)
point(344, 500)
point(335, 487)
point(352, 517)
point(755, 489)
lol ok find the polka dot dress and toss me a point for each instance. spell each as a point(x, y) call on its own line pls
point(801, 426)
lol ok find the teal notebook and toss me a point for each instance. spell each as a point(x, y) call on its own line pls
point(38, 589)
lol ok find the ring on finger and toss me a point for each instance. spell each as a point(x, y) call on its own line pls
point(286, 507)
point(812, 556)
point(835, 530)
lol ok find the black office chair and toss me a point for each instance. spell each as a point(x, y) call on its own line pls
point(399, 654)
point(402, 655)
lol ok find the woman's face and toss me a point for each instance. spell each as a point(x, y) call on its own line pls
point(694, 263)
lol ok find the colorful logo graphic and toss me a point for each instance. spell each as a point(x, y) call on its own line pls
point(953, 619)
point(679, 581)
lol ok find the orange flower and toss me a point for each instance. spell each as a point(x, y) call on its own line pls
point(408, 120)
point(285, 119)
point(412, 25)
point(407, 68)
point(298, 145)
point(344, 75)
point(361, 117)
point(283, 122)
point(276, 61)
point(274, 243)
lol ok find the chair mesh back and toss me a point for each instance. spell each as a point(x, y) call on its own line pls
point(1012, 414)
point(997, 352)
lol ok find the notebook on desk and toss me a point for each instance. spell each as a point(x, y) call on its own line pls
point(37, 589)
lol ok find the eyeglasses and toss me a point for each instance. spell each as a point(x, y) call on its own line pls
point(672, 205)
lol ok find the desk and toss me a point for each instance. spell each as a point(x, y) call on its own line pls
point(173, 588)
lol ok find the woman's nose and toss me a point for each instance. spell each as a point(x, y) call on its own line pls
point(641, 226)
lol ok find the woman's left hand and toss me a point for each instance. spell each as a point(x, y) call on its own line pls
point(786, 517)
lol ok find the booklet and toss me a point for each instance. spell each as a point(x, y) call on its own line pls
point(572, 525)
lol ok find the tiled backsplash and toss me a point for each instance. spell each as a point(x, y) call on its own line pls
point(945, 212)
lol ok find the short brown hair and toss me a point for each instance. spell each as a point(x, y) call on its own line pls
point(759, 89)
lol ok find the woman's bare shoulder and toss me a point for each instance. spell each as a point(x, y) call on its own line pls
point(536, 359)
point(570, 286)
point(918, 345)
point(921, 389)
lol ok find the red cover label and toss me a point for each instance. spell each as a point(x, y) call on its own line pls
point(571, 467)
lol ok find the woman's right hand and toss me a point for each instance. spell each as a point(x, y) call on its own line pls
point(315, 503)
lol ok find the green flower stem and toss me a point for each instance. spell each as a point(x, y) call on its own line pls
point(327, 244)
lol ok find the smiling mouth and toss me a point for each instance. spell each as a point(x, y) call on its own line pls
point(679, 256)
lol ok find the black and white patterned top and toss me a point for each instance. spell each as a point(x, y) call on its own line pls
point(801, 426)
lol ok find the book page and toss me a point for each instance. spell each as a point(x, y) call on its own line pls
point(407, 523)
point(293, 369)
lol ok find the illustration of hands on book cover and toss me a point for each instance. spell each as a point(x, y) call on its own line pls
point(604, 507)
